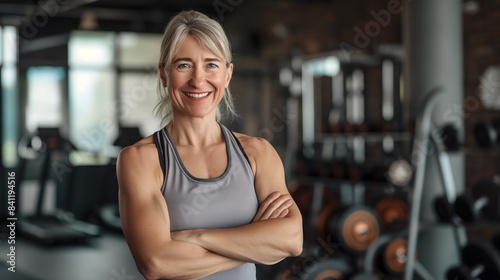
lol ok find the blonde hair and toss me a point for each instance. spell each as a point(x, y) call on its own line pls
point(210, 35)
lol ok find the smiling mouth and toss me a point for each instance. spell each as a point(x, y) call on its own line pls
point(196, 95)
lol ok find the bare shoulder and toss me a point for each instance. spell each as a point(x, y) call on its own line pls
point(140, 152)
point(253, 144)
point(139, 160)
point(259, 150)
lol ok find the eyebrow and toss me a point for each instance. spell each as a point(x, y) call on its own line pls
point(190, 60)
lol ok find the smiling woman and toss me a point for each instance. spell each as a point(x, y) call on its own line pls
point(210, 36)
point(196, 199)
point(197, 79)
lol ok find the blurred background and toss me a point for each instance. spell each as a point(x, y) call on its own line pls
point(384, 112)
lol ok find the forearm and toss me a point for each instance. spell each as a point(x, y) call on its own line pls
point(264, 242)
point(184, 260)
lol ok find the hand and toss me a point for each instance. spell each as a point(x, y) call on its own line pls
point(274, 206)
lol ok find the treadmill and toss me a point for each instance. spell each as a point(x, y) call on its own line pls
point(61, 226)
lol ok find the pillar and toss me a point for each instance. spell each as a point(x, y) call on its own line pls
point(434, 58)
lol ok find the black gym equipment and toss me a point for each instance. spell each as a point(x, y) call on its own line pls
point(483, 200)
point(480, 260)
point(450, 138)
point(61, 226)
point(108, 213)
point(445, 211)
point(487, 135)
point(355, 227)
point(319, 265)
point(495, 240)
point(328, 269)
point(127, 136)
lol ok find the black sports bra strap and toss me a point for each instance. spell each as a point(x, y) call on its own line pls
point(161, 150)
point(239, 146)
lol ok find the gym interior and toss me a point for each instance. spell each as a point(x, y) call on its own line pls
point(385, 113)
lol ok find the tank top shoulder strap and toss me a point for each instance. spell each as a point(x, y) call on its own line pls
point(161, 146)
point(238, 143)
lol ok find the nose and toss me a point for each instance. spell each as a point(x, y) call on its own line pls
point(197, 77)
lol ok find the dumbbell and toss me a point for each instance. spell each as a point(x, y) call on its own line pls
point(484, 200)
point(302, 194)
point(450, 138)
point(496, 241)
point(392, 257)
point(444, 209)
point(389, 260)
point(486, 134)
point(393, 213)
point(480, 260)
point(318, 267)
point(399, 172)
point(355, 227)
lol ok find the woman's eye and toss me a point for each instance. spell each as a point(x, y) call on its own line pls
point(212, 65)
point(183, 65)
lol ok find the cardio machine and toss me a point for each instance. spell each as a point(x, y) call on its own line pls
point(38, 152)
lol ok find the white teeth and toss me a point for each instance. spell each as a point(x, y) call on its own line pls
point(196, 95)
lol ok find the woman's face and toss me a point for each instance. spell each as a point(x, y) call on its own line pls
point(197, 80)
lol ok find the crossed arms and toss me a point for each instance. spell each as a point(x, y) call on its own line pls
point(274, 233)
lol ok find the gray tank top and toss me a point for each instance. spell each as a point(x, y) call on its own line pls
point(223, 202)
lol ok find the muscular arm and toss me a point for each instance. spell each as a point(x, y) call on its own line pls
point(265, 241)
point(146, 224)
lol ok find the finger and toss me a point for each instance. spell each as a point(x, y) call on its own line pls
point(284, 206)
point(277, 203)
point(284, 213)
point(265, 204)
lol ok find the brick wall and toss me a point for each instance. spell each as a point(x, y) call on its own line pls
point(279, 29)
point(481, 50)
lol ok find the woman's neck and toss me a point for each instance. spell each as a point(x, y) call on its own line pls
point(195, 132)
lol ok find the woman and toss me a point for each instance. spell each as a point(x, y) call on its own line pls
point(196, 200)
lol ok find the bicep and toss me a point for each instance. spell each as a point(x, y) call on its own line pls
point(143, 211)
point(270, 174)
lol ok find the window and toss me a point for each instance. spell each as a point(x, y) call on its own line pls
point(111, 83)
point(138, 50)
point(92, 121)
point(138, 98)
point(137, 56)
point(9, 89)
point(45, 90)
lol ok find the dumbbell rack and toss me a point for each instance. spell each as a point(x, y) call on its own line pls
point(424, 137)
point(344, 128)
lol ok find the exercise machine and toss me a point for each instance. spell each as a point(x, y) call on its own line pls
point(43, 147)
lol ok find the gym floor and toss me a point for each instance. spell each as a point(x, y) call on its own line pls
point(105, 257)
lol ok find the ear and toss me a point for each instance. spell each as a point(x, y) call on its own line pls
point(163, 75)
point(229, 74)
